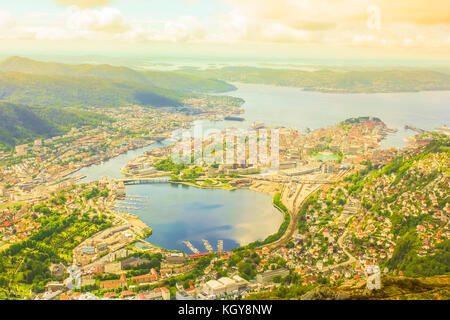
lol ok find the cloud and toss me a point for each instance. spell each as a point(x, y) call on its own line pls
point(351, 23)
point(184, 29)
point(84, 3)
point(420, 12)
point(364, 39)
point(344, 22)
point(282, 33)
point(109, 20)
point(6, 20)
point(317, 15)
point(338, 11)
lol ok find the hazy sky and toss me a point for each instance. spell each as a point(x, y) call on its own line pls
point(314, 28)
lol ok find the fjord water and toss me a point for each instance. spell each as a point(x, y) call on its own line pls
point(112, 167)
point(179, 213)
point(296, 108)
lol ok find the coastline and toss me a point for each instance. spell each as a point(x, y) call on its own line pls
point(143, 239)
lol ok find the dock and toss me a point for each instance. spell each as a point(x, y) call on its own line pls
point(137, 197)
point(207, 245)
point(135, 200)
point(138, 180)
point(418, 130)
point(191, 247)
point(128, 208)
point(132, 203)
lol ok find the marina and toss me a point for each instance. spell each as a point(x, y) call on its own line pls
point(207, 245)
point(191, 247)
point(127, 208)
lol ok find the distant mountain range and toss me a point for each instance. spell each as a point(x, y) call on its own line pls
point(42, 99)
point(28, 87)
point(161, 79)
point(34, 83)
point(333, 81)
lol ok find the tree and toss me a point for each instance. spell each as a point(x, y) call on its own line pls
point(277, 278)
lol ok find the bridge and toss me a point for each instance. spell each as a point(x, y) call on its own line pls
point(159, 138)
point(302, 181)
point(132, 181)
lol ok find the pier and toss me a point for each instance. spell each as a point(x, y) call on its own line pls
point(133, 181)
point(207, 245)
point(132, 203)
point(128, 208)
point(418, 130)
point(135, 200)
point(191, 247)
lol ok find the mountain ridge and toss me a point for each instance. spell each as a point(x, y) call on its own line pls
point(165, 80)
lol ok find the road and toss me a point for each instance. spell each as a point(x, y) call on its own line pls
point(351, 258)
point(295, 214)
point(292, 224)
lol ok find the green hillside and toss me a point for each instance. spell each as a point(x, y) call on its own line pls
point(407, 198)
point(21, 124)
point(333, 81)
point(67, 91)
point(167, 80)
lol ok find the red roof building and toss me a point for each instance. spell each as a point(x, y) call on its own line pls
point(146, 278)
point(112, 284)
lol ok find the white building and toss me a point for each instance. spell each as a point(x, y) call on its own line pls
point(230, 285)
point(241, 283)
point(214, 287)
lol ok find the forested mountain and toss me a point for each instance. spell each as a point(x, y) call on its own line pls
point(361, 81)
point(65, 91)
point(35, 96)
point(22, 124)
point(167, 80)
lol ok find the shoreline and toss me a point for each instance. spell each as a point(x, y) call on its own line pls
point(331, 91)
point(278, 209)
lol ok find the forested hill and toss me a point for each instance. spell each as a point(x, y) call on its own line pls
point(22, 124)
point(396, 217)
point(64, 91)
point(345, 81)
point(409, 194)
point(166, 80)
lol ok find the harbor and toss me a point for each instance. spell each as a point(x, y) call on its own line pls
point(177, 212)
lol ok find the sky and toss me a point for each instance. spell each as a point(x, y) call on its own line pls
point(410, 29)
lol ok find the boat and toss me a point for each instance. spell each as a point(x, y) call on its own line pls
point(233, 118)
point(257, 125)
